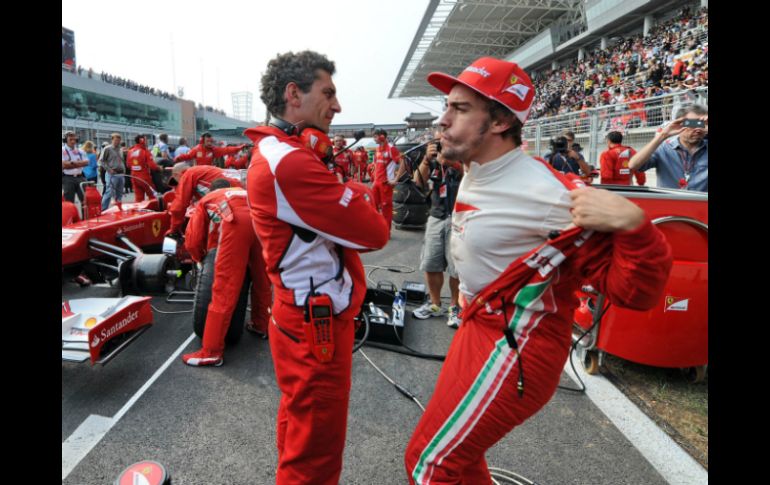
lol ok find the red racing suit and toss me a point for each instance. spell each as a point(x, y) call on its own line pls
point(238, 162)
point(200, 155)
point(140, 161)
point(359, 165)
point(386, 163)
point(221, 219)
point(193, 185)
point(345, 162)
point(614, 166)
point(310, 225)
point(517, 332)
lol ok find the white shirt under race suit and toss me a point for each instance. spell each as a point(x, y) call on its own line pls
point(507, 205)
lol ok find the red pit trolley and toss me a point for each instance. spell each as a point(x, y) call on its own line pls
point(675, 332)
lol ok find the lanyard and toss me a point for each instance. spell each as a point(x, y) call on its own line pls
point(687, 167)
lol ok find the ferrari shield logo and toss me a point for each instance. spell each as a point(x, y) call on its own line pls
point(675, 304)
point(156, 227)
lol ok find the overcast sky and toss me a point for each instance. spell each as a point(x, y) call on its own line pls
point(223, 46)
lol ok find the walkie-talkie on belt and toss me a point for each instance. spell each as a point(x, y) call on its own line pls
point(318, 325)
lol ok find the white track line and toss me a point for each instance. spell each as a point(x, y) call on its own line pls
point(663, 453)
point(92, 430)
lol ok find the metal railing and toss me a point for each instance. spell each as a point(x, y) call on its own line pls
point(638, 120)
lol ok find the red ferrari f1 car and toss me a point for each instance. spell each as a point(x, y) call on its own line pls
point(120, 246)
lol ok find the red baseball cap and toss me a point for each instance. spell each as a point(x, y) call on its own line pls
point(501, 81)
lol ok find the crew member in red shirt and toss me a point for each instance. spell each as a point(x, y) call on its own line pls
point(240, 160)
point(360, 161)
point(140, 162)
point(205, 152)
point(311, 228)
point(221, 220)
point(386, 159)
point(192, 183)
point(343, 159)
point(614, 162)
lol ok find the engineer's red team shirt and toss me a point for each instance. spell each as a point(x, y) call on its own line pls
point(386, 160)
point(203, 156)
point(309, 224)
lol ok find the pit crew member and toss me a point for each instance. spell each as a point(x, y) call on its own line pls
point(310, 225)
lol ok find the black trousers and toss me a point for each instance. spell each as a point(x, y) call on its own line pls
point(71, 187)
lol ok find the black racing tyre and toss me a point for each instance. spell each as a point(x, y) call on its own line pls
point(203, 298)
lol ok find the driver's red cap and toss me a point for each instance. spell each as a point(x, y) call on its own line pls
point(501, 81)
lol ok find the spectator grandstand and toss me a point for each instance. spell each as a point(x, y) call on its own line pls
point(129, 84)
point(673, 57)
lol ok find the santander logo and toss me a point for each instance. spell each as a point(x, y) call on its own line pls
point(479, 70)
point(108, 332)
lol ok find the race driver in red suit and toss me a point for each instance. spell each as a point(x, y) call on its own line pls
point(524, 237)
point(140, 162)
point(386, 160)
point(221, 220)
point(205, 152)
point(192, 183)
point(310, 225)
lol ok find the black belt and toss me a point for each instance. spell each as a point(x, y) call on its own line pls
point(68, 175)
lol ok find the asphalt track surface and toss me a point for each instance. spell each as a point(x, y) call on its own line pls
point(217, 425)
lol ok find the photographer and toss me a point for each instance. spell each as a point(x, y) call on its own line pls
point(442, 177)
point(681, 162)
point(564, 158)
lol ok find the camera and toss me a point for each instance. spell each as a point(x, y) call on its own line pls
point(690, 123)
point(577, 147)
point(438, 146)
point(559, 144)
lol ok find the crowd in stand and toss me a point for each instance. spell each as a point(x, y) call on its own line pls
point(129, 84)
point(634, 68)
point(211, 110)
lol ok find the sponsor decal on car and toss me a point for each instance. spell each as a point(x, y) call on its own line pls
point(108, 332)
point(676, 304)
point(132, 228)
point(156, 227)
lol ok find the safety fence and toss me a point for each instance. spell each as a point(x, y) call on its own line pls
point(638, 120)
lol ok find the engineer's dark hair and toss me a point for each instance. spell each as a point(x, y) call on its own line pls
point(697, 109)
point(498, 112)
point(299, 68)
point(615, 137)
point(163, 137)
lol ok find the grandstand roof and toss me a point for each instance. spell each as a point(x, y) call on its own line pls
point(453, 33)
